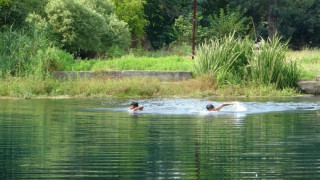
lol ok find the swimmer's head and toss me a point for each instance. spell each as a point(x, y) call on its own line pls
point(209, 107)
point(134, 105)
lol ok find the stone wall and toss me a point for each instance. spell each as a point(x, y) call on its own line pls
point(161, 75)
point(310, 87)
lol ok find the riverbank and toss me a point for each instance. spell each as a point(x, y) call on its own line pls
point(202, 86)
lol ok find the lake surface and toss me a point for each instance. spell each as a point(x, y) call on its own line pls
point(169, 139)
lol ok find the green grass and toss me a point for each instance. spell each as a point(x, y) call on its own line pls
point(308, 62)
point(169, 63)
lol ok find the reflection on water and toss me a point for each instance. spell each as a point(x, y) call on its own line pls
point(170, 139)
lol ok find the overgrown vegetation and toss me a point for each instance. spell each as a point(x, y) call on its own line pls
point(233, 60)
point(95, 35)
point(29, 53)
point(201, 86)
point(84, 28)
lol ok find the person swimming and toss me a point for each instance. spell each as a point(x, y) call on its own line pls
point(210, 107)
point(134, 106)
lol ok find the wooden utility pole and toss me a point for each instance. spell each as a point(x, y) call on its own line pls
point(194, 27)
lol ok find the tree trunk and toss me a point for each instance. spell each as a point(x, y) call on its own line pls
point(272, 19)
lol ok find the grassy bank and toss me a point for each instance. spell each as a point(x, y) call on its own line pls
point(308, 62)
point(224, 67)
point(131, 87)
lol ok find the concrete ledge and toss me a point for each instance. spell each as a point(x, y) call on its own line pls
point(161, 75)
point(310, 87)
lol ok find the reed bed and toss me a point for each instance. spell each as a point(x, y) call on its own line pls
point(223, 58)
point(234, 61)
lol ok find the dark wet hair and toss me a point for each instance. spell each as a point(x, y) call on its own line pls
point(209, 106)
point(134, 104)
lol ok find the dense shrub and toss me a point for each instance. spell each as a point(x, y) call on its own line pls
point(217, 26)
point(86, 28)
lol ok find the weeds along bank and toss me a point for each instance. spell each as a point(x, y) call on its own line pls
point(201, 86)
point(226, 66)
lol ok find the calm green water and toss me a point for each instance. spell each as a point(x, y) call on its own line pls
point(171, 139)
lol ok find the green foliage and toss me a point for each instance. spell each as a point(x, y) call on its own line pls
point(228, 22)
point(115, 52)
point(28, 53)
point(84, 27)
point(53, 59)
point(233, 60)
point(161, 15)
point(133, 63)
point(223, 58)
point(119, 34)
point(219, 25)
point(268, 65)
point(19, 50)
point(132, 13)
point(183, 27)
point(14, 12)
point(175, 48)
point(294, 19)
point(4, 2)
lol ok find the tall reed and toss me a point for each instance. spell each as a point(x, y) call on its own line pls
point(233, 61)
point(28, 52)
point(223, 58)
point(18, 50)
point(268, 64)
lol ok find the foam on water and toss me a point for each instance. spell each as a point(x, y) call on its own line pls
point(198, 106)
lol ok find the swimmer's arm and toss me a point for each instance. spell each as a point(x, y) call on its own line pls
point(222, 105)
point(138, 108)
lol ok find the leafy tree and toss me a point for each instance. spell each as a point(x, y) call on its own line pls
point(209, 7)
point(15, 12)
point(162, 14)
point(299, 20)
point(183, 27)
point(228, 22)
point(4, 2)
point(86, 27)
point(131, 12)
point(295, 19)
point(220, 25)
